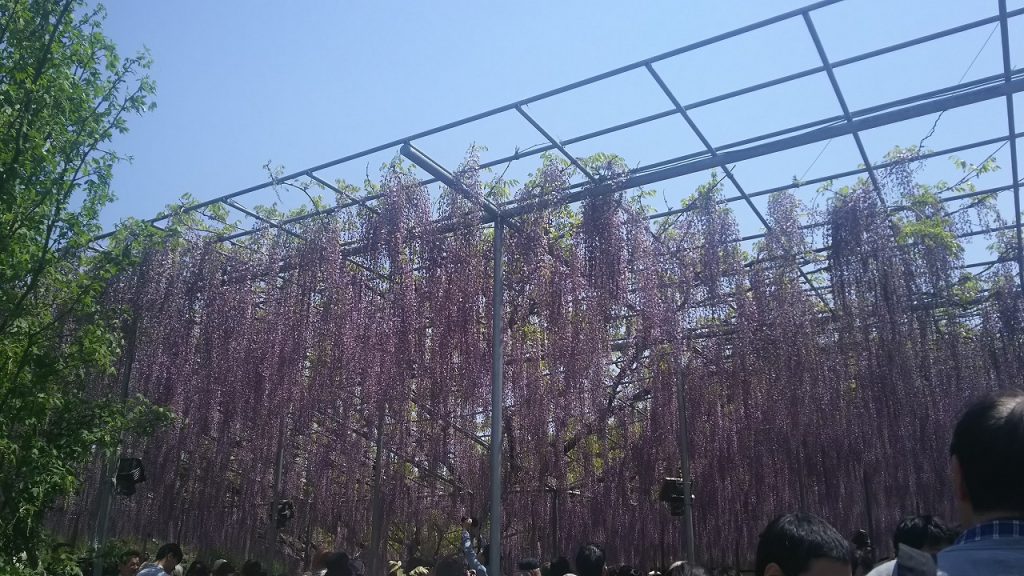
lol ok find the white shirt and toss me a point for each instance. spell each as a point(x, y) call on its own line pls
point(883, 569)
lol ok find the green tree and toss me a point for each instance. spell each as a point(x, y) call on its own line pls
point(64, 94)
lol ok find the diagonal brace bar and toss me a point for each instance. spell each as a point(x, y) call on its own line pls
point(360, 201)
point(729, 174)
point(842, 103)
point(558, 145)
point(417, 157)
point(264, 220)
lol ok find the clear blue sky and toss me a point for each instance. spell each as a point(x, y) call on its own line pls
point(299, 83)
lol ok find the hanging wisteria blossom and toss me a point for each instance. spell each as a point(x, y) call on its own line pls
point(346, 367)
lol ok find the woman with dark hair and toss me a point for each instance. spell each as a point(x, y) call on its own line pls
point(338, 565)
point(561, 567)
point(198, 568)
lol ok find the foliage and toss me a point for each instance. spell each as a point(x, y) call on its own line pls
point(64, 93)
point(362, 354)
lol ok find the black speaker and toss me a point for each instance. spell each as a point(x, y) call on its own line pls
point(285, 512)
point(129, 473)
point(674, 493)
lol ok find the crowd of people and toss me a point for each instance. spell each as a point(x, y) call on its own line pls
point(987, 471)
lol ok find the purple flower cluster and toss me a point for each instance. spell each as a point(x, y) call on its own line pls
point(362, 353)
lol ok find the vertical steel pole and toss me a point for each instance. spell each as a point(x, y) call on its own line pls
point(684, 457)
point(497, 367)
point(554, 523)
point(377, 520)
point(868, 507)
point(278, 479)
point(307, 557)
point(106, 489)
point(1004, 25)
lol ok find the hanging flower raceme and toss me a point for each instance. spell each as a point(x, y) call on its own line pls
point(345, 366)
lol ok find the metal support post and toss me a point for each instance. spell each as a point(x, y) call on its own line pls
point(868, 507)
point(497, 367)
point(684, 457)
point(554, 522)
point(307, 556)
point(106, 489)
point(278, 479)
point(377, 521)
point(1014, 164)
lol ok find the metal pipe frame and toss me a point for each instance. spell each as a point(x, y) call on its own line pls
point(728, 173)
point(974, 88)
point(849, 123)
point(497, 395)
point(842, 103)
point(1004, 26)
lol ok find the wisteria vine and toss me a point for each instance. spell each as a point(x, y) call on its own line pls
point(359, 354)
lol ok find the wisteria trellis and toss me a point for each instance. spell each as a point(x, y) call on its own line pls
point(383, 376)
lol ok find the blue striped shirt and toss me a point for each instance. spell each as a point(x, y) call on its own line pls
point(994, 530)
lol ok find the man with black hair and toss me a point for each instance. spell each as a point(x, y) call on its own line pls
point(590, 560)
point(129, 562)
point(560, 567)
point(529, 567)
point(252, 567)
point(223, 568)
point(802, 545)
point(987, 458)
point(338, 564)
point(470, 530)
point(451, 566)
point(926, 533)
point(168, 557)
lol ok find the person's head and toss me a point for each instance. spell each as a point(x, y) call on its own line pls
point(252, 568)
point(802, 544)
point(561, 566)
point(926, 533)
point(223, 568)
point(454, 565)
point(338, 564)
point(319, 561)
point(988, 458)
point(684, 568)
point(862, 540)
point(590, 560)
point(863, 553)
point(129, 562)
point(471, 524)
point(169, 556)
point(198, 568)
point(529, 567)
